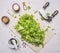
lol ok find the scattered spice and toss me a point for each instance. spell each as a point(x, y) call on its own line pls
point(24, 44)
point(46, 29)
point(49, 26)
point(19, 14)
point(14, 16)
point(53, 29)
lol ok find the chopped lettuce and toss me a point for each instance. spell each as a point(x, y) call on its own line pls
point(30, 30)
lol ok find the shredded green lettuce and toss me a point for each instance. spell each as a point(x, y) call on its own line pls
point(30, 30)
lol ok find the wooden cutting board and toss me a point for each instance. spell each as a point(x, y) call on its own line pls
point(48, 35)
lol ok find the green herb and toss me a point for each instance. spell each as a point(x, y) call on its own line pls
point(30, 30)
point(49, 26)
point(19, 14)
point(35, 11)
point(42, 18)
point(28, 7)
point(47, 14)
point(14, 16)
point(46, 29)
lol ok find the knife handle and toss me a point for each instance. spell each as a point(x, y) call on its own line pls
point(46, 5)
point(55, 13)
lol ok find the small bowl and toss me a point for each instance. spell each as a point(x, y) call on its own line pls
point(11, 45)
point(5, 19)
point(16, 7)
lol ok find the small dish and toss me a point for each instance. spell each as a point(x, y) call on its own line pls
point(11, 44)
